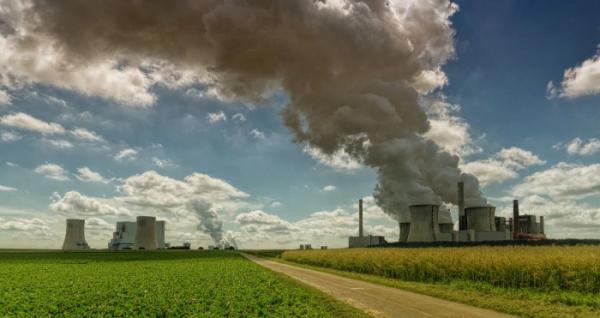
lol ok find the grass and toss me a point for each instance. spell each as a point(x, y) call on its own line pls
point(523, 296)
point(153, 284)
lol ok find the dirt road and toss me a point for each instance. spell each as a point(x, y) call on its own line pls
point(377, 300)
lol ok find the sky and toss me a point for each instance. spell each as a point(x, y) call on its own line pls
point(134, 127)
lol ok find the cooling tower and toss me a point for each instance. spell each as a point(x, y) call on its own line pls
point(481, 218)
point(424, 225)
point(445, 221)
point(404, 229)
point(75, 235)
point(145, 234)
point(160, 234)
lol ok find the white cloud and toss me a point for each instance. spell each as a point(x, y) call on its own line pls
point(162, 163)
point(580, 80)
point(126, 154)
point(257, 134)
point(276, 204)
point(214, 118)
point(10, 136)
point(52, 171)
point(59, 143)
point(27, 122)
point(6, 189)
point(84, 134)
point(448, 131)
point(87, 175)
point(338, 160)
point(329, 188)
point(562, 181)
point(503, 166)
point(36, 227)
point(4, 98)
point(239, 117)
point(74, 203)
point(579, 147)
point(429, 80)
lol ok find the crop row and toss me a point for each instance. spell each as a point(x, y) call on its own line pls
point(548, 268)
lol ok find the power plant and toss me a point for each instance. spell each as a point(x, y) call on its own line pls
point(75, 235)
point(126, 235)
point(475, 224)
point(361, 240)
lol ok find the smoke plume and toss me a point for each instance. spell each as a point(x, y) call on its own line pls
point(210, 223)
point(353, 70)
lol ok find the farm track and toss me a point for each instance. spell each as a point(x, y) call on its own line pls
point(377, 300)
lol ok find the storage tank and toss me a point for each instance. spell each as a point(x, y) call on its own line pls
point(160, 234)
point(424, 225)
point(445, 221)
point(145, 234)
point(481, 218)
point(75, 235)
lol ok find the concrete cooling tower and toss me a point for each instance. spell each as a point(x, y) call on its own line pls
point(75, 235)
point(445, 221)
point(424, 226)
point(404, 229)
point(160, 234)
point(145, 235)
point(481, 218)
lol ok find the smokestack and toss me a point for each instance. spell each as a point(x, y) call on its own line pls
point(516, 228)
point(542, 224)
point(461, 206)
point(360, 218)
point(75, 235)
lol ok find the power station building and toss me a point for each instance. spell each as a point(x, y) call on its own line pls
point(364, 240)
point(126, 235)
point(75, 235)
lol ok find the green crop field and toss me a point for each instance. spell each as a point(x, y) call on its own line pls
point(530, 281)
point(151, 284)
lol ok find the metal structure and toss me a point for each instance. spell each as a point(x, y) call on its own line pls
point(145, 234)
point(75, 235)
point(124, 236)
point(424, 226)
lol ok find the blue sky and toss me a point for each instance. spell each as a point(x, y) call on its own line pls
point(521, 133)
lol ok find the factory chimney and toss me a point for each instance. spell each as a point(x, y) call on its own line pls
point(75, 235)
point(462, 220)
point(542, 224)
point(516, 218)
point(360, 218)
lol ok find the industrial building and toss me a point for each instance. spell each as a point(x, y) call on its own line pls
point(75, 235)
point(361, 240)
point(125, 237)
point(476, 224)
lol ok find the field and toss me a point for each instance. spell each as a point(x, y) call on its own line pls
point(168, 283)
point(529, 281)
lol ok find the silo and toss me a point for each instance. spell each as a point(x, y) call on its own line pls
point(404, 229)
point(160, 234)
point(145, 234)
point(481, 218)
point(445, 221)
point(424, 225)
point(75, 235)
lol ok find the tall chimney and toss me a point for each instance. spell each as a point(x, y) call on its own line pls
point(516, 225)
point(360, 218)
point(461, 206)
point(542, 224)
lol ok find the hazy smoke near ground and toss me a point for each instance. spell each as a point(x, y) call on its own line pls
point(353, 70)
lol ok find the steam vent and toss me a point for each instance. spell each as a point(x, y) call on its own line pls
point(145, 235)
point(75, 235)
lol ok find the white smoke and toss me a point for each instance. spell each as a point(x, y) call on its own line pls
point(210, 223)
point(353, 70)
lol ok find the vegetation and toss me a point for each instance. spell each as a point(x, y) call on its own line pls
point(166, 283)
point(526, 281)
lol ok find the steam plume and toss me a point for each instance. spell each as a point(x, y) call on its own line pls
point(352, 69)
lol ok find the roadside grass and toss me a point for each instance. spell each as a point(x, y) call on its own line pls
point(153, 284)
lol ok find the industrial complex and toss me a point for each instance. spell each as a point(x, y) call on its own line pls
point(144, 234)
point(476, 224)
